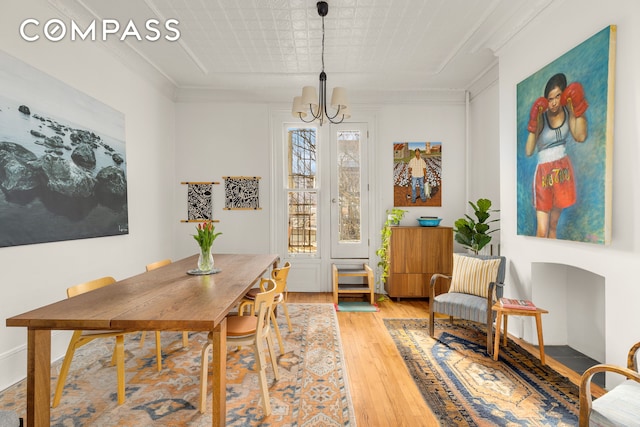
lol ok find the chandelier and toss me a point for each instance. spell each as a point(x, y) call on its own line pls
point(310, 104)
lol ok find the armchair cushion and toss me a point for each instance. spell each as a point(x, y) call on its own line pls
point(464, 306)
point(618, 407)
point(9, 419)
point(472, 275)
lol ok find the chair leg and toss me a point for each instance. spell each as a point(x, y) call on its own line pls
point(272, 355)
point(204, 372)
point(490, 333)
point(120, 367)
point(262, 378)
point(158, 351)
point(64, 369)
point(185, 339)
point(431, 323)
point(277, 329)
point(286, 314)
point(142, 335)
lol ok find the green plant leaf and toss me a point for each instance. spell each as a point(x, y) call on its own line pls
point(484, 205)
point(474, 233)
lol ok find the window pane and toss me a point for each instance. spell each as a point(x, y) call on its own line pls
point(302, 158)
point(302, 221)
point(302, 190)
point(349, 170)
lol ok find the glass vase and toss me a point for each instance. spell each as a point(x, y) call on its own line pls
point(205, 259)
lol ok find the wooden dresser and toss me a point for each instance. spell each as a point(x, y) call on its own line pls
point(416, 254)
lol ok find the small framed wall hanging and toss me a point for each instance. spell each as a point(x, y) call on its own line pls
point(241, 192)
point(199, 201)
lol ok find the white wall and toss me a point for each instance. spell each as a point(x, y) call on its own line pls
point(558, 29)
point(441, 122)
point(483, 157)
point(149, 135)
point(215, 140)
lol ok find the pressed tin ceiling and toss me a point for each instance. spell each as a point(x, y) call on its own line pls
point(271, 48)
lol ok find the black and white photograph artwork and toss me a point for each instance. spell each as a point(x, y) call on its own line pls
point(62, 160)
point(199, 202)
point(241, 192)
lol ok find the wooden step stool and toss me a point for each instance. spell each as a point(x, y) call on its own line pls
point(353, 288)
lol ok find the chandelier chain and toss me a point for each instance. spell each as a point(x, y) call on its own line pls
point(323, 43)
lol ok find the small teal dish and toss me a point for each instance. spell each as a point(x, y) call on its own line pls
point(429, 222)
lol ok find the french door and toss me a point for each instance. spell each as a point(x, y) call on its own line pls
point(321, 203)
point(349, 205)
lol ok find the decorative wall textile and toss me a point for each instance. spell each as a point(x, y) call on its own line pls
point(199, 201)
point(241, 192)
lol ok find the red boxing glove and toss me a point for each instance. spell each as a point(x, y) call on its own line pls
point(539, 106)
point(575, 93)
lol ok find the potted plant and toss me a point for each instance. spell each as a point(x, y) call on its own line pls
point(474, 234)
point(394, 216)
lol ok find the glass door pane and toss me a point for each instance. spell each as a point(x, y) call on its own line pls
point(349, 192)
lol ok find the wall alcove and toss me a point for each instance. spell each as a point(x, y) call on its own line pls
point(575, 299)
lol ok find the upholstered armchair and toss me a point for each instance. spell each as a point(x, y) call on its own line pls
point(475, 284)
point(620, 406)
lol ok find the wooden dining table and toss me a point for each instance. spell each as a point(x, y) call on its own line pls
point(165, 299)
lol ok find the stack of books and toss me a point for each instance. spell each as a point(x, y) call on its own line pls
point(520, 304)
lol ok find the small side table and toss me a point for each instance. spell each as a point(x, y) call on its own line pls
point(365, 288)
point(504, 313)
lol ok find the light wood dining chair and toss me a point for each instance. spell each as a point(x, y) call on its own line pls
point(185, 335)
point(80, 338)
point(279, 275)
point(249, 331)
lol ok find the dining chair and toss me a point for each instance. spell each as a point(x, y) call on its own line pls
point(185, 335)
point(80, 338)
point(249, 331)
point(279, 275)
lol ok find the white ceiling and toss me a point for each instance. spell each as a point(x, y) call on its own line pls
point(271, 48)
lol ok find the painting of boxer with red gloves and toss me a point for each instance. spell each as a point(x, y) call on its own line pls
point(564, 149)
point(555, 119)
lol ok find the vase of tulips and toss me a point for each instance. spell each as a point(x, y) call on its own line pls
point(205, 237)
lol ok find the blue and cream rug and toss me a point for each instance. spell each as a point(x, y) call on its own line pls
point(312, 390)
point(465, 387)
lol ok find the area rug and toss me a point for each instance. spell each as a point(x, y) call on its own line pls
point(312, 390)
point(356, 306)
point(463, 386)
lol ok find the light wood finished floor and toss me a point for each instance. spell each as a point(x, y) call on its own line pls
point(382, 391)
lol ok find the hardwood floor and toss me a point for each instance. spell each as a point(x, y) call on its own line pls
point(382, 391)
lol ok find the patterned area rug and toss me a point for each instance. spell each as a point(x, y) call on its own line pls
point(465, 387)
point(312, 390)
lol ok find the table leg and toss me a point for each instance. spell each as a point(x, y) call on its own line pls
point(120, 367)
point(496, 340)
point(38, 377)
point(504, 330)
point(219, 370)
point(540, 341)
